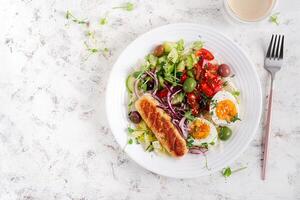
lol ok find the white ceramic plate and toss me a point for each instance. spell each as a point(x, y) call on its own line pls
point(246, 80)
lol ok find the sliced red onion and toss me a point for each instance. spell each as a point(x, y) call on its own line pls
point(170, 104)
point(183, 127)
point(154, 77)
point(136, 90)
point(195, 151)
point(136, 84)
point(198, 150)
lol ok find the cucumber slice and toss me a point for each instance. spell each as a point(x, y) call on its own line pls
point(130, 83)
point(180, 67)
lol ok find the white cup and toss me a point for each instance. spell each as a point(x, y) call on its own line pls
point(248, 11)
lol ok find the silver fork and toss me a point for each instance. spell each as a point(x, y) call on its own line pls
point(273, 63)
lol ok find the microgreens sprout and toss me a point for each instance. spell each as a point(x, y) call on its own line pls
point(126, 6)
point(274, 18)
point(228, 172)
point(103, 21)
point(70, 16)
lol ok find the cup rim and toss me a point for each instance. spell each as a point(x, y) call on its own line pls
point(234, 16)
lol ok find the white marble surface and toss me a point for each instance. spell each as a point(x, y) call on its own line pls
point(54, 139)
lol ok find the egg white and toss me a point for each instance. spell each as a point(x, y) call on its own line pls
point(220, 96)
point(212, 137)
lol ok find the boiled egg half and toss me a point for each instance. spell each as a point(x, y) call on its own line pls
point(224, 109)
point(203, 131)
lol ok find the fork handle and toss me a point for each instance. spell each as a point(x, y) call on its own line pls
point(266, 136)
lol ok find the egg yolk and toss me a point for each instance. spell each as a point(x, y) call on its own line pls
point(199, 129)
point(226, 110)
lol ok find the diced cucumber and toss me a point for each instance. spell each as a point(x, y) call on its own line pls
point(178, 98)
point(137, 133)
point(142, 126)
point(173, 56)
point(168, 46)
point(190, 61)
point(162, 59)
point(152, 60)
point(197, 45)
point(180, 45)
point(130, 83)
point(180, 67)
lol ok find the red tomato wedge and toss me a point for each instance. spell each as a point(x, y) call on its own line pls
point(183, 77)
point(207, 55)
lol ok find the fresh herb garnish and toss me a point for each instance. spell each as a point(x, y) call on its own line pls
point(130, 141)
point(130, 104)
point(213, 103)
point(92, 50)
point(130, 130)
point(172, 79)
point(225, 83)
point(274, 19)
point(126, 6)
point(204, 144)
point(150, 148)
point(70, 16)
point(228, 172)
point(235, 118)
point(235, 93)
point(90, 34)
point(189, 116)
point(103, 21)
point(190, 142)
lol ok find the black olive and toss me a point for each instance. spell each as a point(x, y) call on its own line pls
point(135, 117)
point(150, 85)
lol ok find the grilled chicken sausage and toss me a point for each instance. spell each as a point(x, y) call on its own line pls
point(160, 124)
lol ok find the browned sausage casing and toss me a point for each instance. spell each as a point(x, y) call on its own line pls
point(160, 124)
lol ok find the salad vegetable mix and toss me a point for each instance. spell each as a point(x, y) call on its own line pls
point(192, 88)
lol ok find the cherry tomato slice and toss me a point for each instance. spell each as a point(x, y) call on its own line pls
point(206, 89)
point(212, 68)
point(205, 54)
point(183, 77)
point(193, 102)
point(199, 67)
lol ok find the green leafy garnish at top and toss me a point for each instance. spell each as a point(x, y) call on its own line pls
point(228, 172)
point(126, 6)
point(274, 18)
point(70, 16)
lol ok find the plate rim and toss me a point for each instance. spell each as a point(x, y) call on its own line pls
point(229, 161)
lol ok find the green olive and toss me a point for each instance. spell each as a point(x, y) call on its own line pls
point(189, 85)
point(225, 133)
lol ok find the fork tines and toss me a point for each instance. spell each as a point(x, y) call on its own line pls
point(275, 49)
